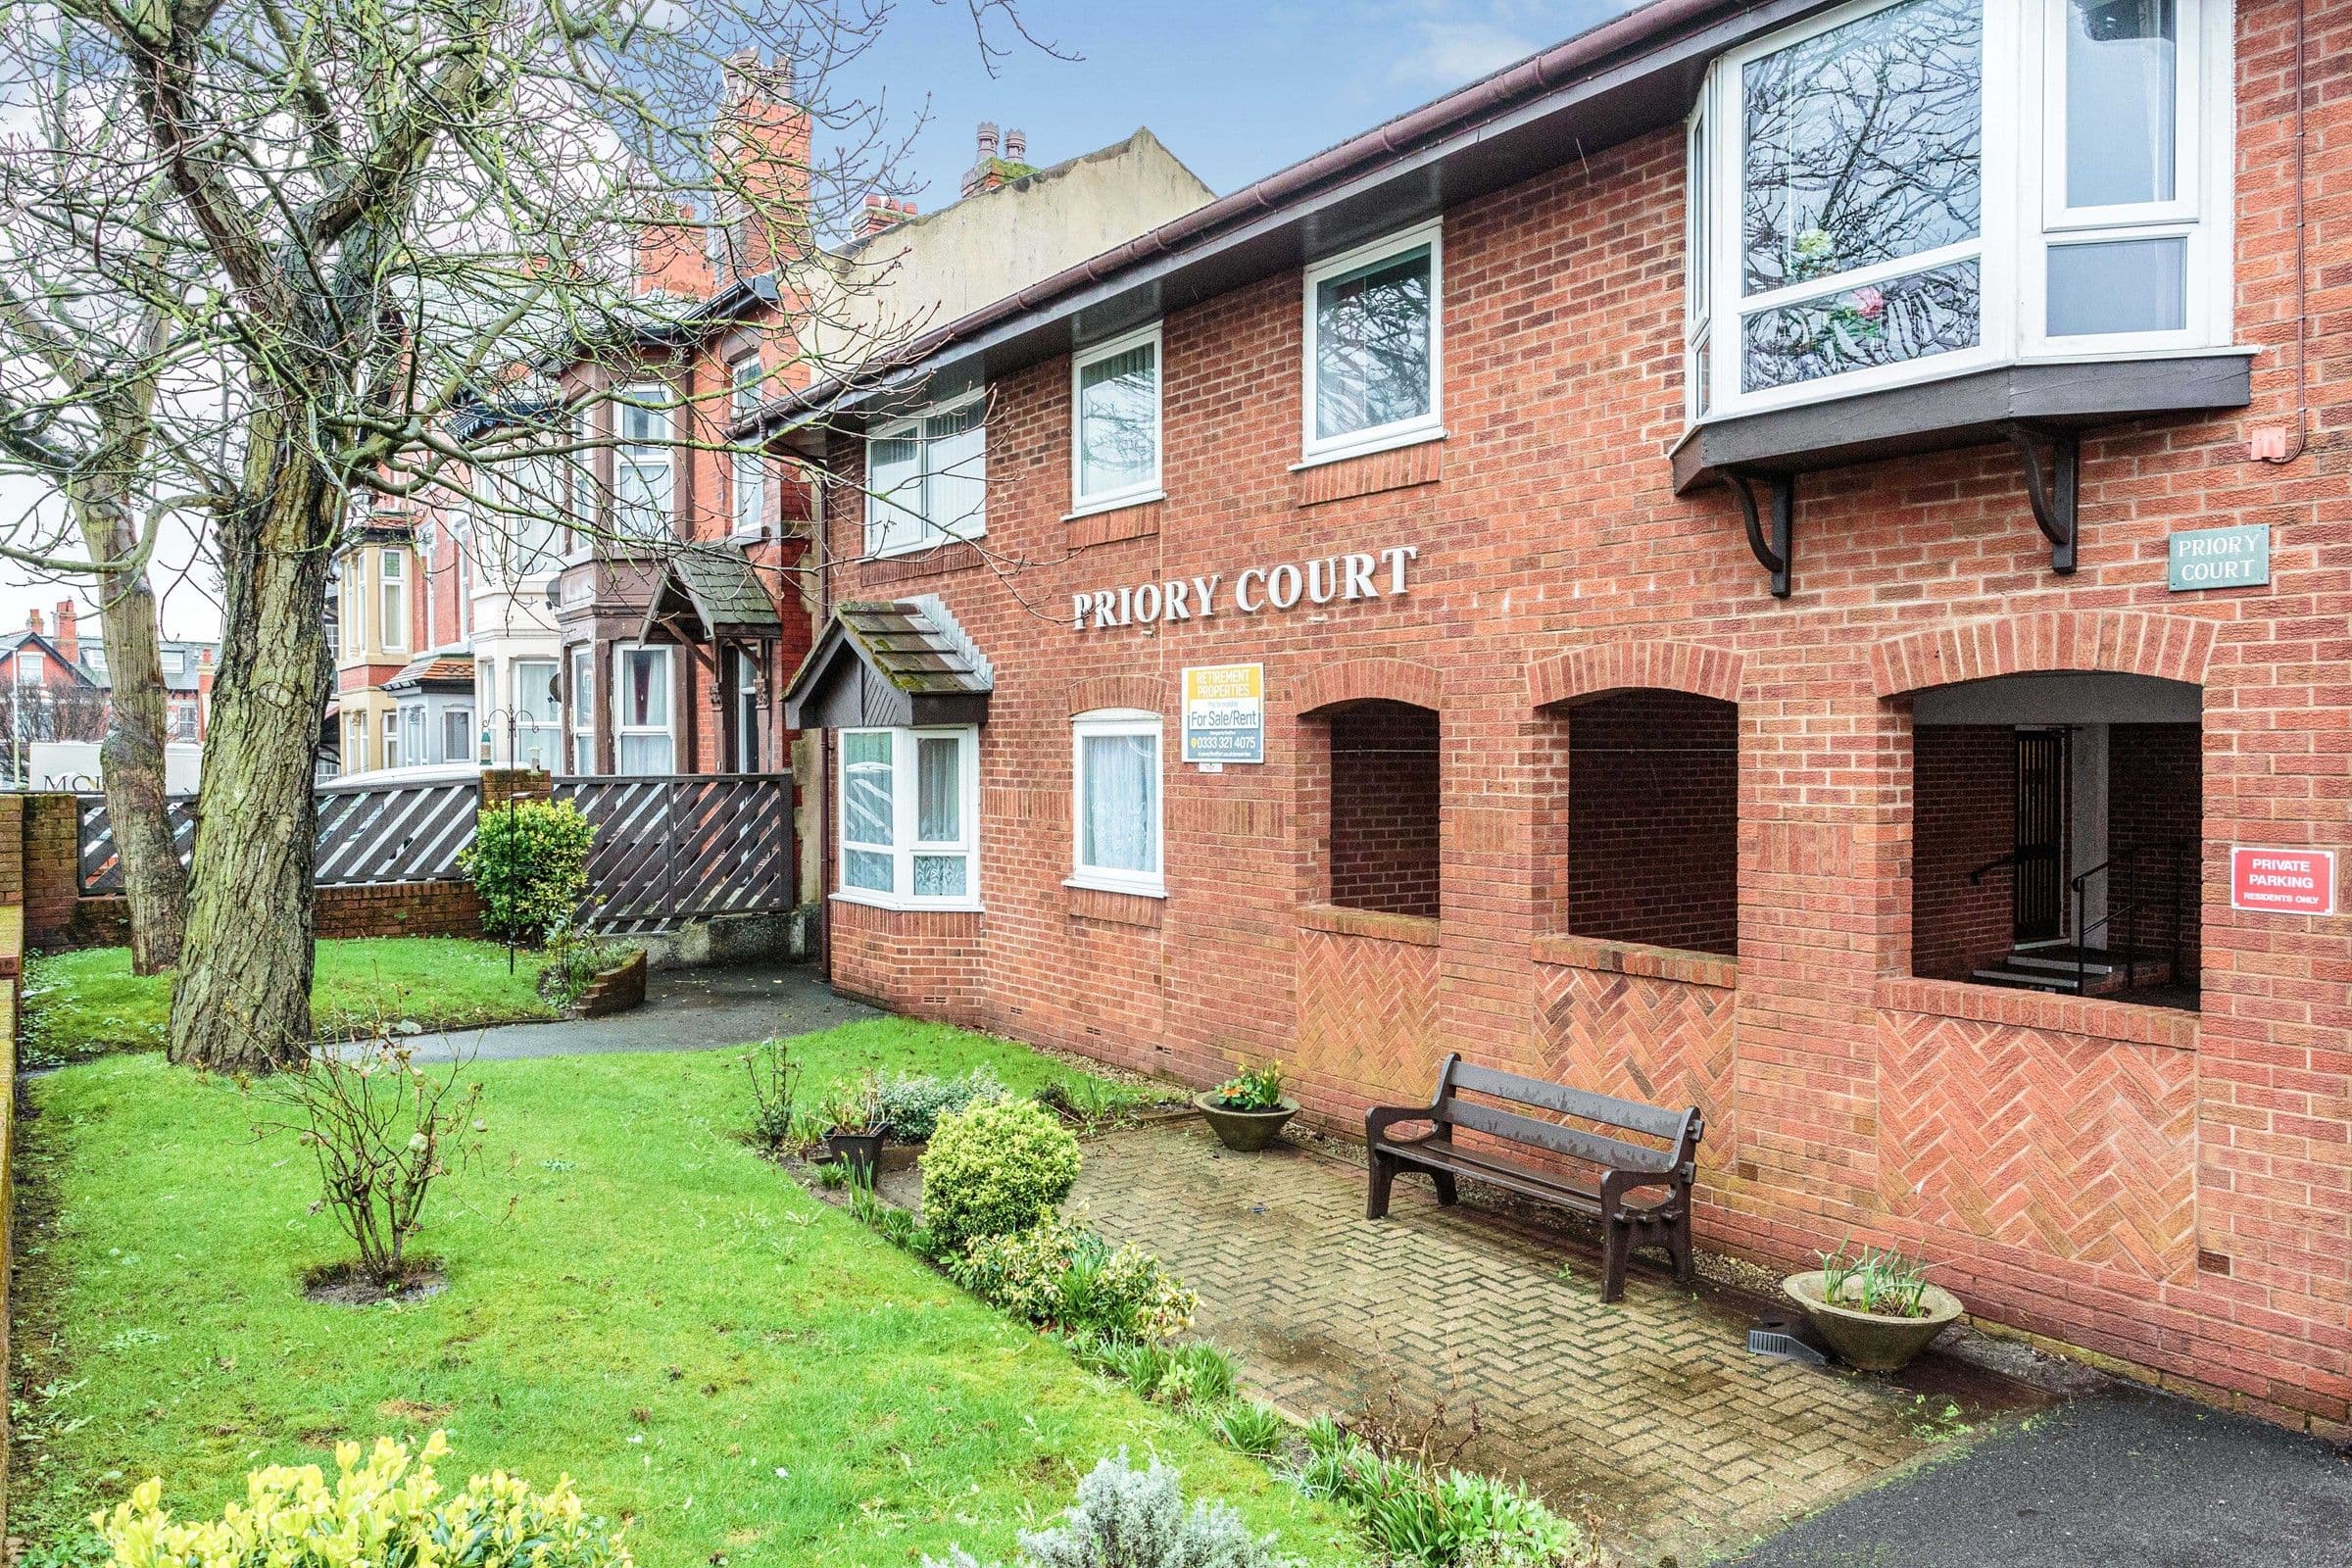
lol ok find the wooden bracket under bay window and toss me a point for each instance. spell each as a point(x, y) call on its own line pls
point(2053, 499)
point(1773, 554)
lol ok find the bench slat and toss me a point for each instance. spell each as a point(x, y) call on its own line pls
point(1654, 1120)
point(1642, 1201)
point(1613, 1153)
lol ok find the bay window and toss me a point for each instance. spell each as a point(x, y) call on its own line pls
point(641, 707)
point(1904, 191)
point(644, 487)
point(583, 710)
point(1114, 423)
point(536, 724)
point(392, 583)
point(909, 804)
point(926, 480)
point(1373, 346)
point(391, 756)
point(1115, 806)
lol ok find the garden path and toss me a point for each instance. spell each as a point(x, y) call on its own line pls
point(685, 1010)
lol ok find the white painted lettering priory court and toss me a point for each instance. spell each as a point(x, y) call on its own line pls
point(1319, 580)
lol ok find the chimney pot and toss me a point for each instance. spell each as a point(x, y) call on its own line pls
point(32, 619)
point(988, 138)
point(1016, 146)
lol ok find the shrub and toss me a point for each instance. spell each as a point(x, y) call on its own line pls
point(1060, 1274)
point(913, 1103)
point(854, 1104)
point(775, 1083)
point(1198, 1377)
point(1448, 1519)
point(1256, 1430)
point(1130, 1518)
point(382, 1131)
point(383, 1511)
point(994, 1168)
point(574, 961)
point(530, 862)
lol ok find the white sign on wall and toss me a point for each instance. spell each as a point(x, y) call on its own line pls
point(1225, 714)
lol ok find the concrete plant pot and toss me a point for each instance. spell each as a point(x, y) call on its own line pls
point(1244, 1132)
point(859, 1151)
point(1868, 1340)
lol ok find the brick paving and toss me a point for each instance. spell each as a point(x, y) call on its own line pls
point(1652, 1413)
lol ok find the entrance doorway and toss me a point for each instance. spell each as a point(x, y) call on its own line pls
point(2037, 890)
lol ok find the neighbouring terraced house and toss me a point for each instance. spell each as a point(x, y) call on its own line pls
point(1784, 556)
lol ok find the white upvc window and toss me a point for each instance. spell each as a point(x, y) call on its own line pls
point(583, 710)
point(926, 478)
point(747, 466)
point(1115, 422)
point(391, 757)
point(531, 496)
point(645, 493)
point(1895, 193)
point(538, 722)
point(412, 735)
point(746, 757)
point(643, 743)
point(1375, 346)
point(392, 581)
point(910, 810)
point(457, 734)
point(1116, 839)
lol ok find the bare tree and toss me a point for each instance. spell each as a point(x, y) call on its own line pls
point(285, 252)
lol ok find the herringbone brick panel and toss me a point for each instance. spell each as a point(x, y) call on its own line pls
point(1367, 1016)
point(1650, 1412)
point(2084, 1150)
point(1660, 1040)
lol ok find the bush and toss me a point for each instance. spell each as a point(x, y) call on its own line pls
point(775, 1087)
point(574, 961)
point(1256, 1430)
point(530, 862)
point(1450, 1519)
point(1130, 1518)
point(384, 1511)
point(913, 1102)
point(382, 1131)
point(994, 1168)
point(1060, 1274)
point(1198, 1377)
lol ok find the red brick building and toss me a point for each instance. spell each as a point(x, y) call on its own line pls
point(1730, 635)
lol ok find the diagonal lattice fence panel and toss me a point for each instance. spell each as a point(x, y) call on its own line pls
point(685, 847)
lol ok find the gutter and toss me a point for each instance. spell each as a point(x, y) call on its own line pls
point(1384, 144)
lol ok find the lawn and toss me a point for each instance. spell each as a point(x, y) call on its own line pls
point(739, 1371)
point(83, 1005)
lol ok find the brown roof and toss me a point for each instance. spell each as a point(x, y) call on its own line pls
point(903, 661)
point(434, 669)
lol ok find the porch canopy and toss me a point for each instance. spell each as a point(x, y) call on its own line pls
point(901, 662)
point(709, 594)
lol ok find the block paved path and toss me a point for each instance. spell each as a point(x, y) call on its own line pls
point(1650, 1412)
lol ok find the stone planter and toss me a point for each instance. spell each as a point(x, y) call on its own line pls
point(1866, 1339)
point(1244, 1132)
point(614, 990)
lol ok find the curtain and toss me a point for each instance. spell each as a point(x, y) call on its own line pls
point(1120, 803)
point(959, 466)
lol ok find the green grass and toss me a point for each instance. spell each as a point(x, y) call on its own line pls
point(83, 1005)
point(742, 1373)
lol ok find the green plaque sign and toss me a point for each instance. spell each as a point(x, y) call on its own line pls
point(2219, 558)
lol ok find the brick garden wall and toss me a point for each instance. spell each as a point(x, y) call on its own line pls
point(1653, 821)
point(1384, 809)
point(2213, 1244)
point(1963, 815)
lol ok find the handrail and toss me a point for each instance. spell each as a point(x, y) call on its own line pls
point(2130, 906)
point(2041, 851)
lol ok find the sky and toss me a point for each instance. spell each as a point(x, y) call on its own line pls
point(1234, 88)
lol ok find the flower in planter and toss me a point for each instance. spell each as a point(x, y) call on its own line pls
point(856, 1106)
point(1252, 1089)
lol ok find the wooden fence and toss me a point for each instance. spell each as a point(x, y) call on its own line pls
point(668, 849)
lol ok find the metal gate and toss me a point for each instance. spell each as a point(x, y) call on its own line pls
point(685, 847)
point(2037, 887)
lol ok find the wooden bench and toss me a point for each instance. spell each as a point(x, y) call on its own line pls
point(1642, 1195)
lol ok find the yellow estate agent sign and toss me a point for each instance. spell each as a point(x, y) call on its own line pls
point(1225, 714)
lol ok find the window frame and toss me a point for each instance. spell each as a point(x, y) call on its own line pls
point(1108, 723)
point(390, 729)
point(745, 461)
point(746, 744)
point(392, 582)
point(667, 729)
point(934, 535)
point(659, 402)
point(580, 719)
point(906, 807)
point(1430, 426)
point(1143, 492)
point(2022, 150)
point(551, 726)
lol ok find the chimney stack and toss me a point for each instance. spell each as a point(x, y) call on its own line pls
point(69, 640)
point(670, 257)
point(882, 215)
point(762, 158)
point(33, 620)
point(989, 172)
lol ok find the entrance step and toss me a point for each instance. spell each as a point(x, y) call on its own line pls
point(2023, 979)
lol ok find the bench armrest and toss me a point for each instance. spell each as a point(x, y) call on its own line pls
point(1380, 1118)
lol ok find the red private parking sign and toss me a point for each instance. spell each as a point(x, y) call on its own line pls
point(2282, 881)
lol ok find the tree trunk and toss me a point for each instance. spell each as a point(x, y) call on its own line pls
point(131, 761)
point(243, 999)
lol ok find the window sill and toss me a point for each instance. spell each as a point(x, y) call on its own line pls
point(1139, 498)
point(1133, 890)
point(897, 905)
point(1134, 519)
point(1414, 930)
point(2094, 1017)
point(1395, 468)
point(1967, 408)
point(1604, 956)
point(1415, 437)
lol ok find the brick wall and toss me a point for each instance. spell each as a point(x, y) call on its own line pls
point(1653, 821)
point(1384, 809)
point(2155, 798)
point(1556, 564)
point(1963, 813)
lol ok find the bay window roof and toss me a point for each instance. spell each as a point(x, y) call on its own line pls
point(902, 663)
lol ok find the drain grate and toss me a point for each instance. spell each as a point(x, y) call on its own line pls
point(1782, 1347)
